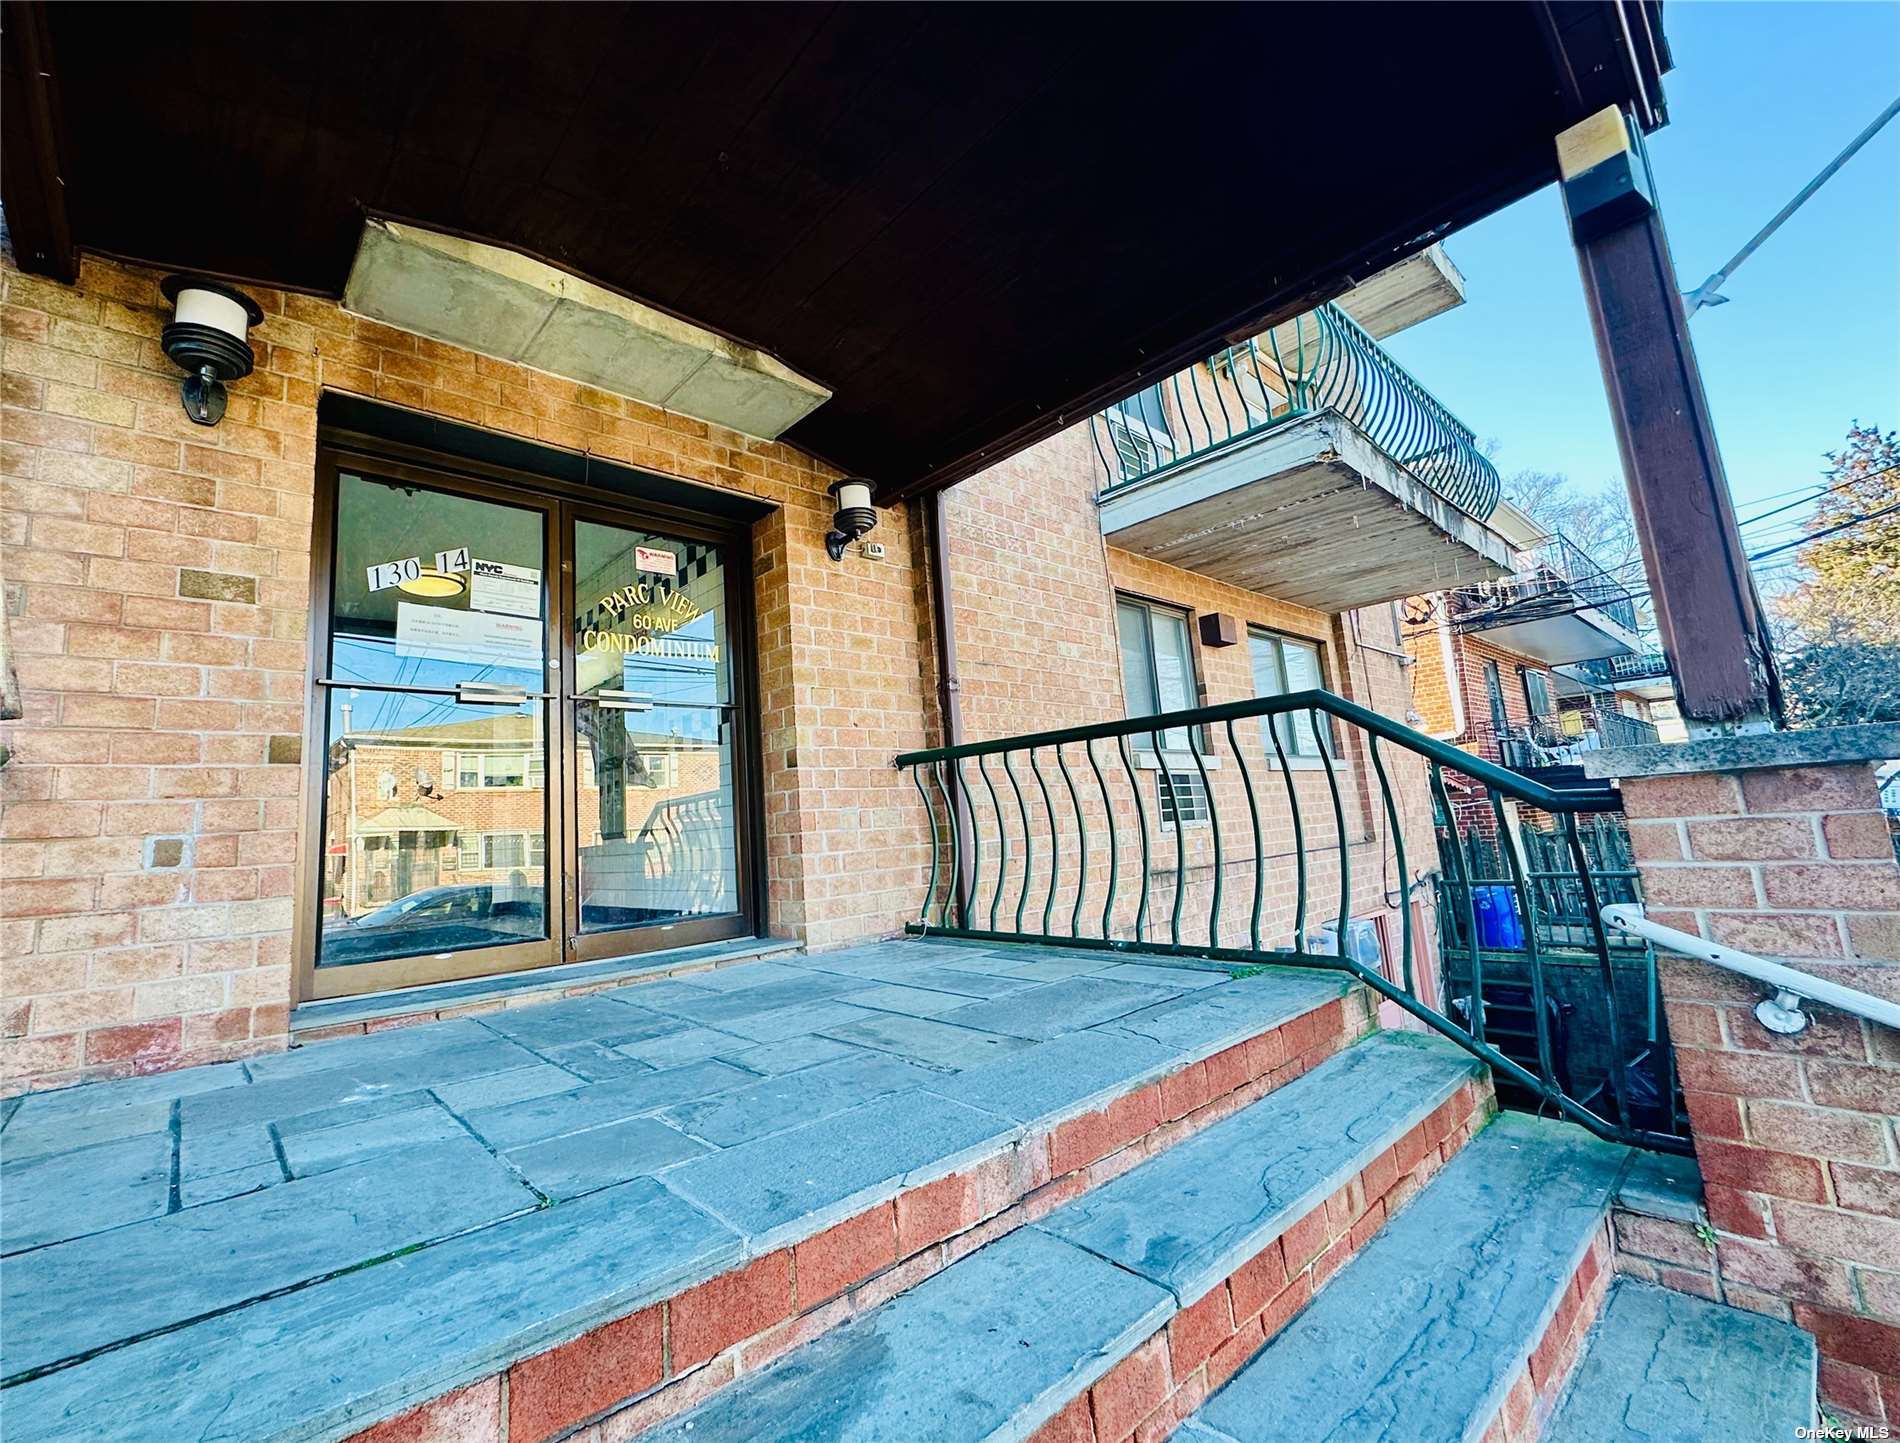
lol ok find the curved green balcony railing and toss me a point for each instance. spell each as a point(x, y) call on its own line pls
point(1234, 833)
point(1322, 361)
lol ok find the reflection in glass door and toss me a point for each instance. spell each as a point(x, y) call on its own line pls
point(435, 806)
point(655, 859)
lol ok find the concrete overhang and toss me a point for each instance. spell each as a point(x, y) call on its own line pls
point(1586, 635)
point(1311, 512)
point(515, 308)
point(1416, 289)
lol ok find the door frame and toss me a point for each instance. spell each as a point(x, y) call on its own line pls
point(748, 811)
point(559, 502)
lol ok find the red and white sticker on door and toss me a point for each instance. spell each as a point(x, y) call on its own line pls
point(661, 563)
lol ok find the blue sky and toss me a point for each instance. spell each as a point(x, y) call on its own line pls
point(1762, 96)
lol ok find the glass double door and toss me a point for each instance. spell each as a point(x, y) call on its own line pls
point(533, 735)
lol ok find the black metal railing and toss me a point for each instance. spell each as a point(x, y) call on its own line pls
point(1561, 739)
point(1320, 361)
point(1555, 576)
point(1477, 916)
point(1224, 831)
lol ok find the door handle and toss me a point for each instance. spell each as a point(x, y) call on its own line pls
point(480, 693)
point(622, 701)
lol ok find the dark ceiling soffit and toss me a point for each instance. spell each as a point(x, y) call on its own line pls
point(1289, 301)
point(341, 413)
point(1642, 60)
point(32, 149)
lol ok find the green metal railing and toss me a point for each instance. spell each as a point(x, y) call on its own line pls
point(1223, 831)
point(1321, 361)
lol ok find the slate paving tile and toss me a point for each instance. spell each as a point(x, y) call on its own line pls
point(739, 978)
point(543, 1117)
point(776, 1103)
point(1189, 1217)
point(1442, 1306)
point(595, 1061)
point(722, 1008)
point(1067, 1006)
point(654, 996)
point(798, 1182)
point(225, 1253)
point(940, 1044)
point(598, 1017)
point(283, 1098)
point(769, 1059)
point(328, 1148)
point(673, 1050)
point(386, 1105)
point(1205, 1021)
point(37, 1134)
point(1067, 1075)
point(195, 1192)
point(968, 984)
point(516, 1085)
point(1038, 969)
point(987, 1349)
point(207, 1151)
point(911, 1001)
point(581, 1162)
point(1174, 979)
point(362, 1051)
point(96, 1098)
point(385, 1338)
point(776, 1026)
point(55, 1196)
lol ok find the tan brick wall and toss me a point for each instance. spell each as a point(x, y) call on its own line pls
point(1035, 588)
point(157, 588)
point(1798, 1137)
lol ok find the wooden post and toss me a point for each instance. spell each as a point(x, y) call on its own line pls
point(1712, 623)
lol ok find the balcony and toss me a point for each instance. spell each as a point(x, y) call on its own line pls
point(1559, 607)
point(1307, 464)
point(1643, 674)
point(1548, 743)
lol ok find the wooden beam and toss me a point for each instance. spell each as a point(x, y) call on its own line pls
point(32, 169)
point(1711, 620)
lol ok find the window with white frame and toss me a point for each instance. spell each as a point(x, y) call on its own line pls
point(1283, 664)
point(1157, 667)
point(499, 851)
point(491, 771)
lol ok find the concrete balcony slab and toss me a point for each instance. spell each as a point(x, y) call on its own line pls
point(1312, 512)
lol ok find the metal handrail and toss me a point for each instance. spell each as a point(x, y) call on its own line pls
point(1555, 576)
point(1780, 1013)
point(1059, 838)
point(1321, 361)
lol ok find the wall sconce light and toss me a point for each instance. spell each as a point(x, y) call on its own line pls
point(854, 517)
point(209, 339)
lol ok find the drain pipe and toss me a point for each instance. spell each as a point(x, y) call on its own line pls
point(943, 613)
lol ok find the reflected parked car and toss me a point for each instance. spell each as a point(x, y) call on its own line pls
point(436, 919)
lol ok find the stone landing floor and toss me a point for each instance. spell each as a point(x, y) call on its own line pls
point(155, 1208)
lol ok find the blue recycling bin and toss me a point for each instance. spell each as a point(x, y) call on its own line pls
point(1499, 926)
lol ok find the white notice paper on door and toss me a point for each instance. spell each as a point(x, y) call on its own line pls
point(442, 634)
point(510, 590)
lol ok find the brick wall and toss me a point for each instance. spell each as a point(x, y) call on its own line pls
point(157, 590)
point(1796, 1136)
point(1035, 589)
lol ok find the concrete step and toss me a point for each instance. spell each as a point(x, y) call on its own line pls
point(1461, 1311)
point(1661, 1364)
point(722, 1178)
point(1123, 1303)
